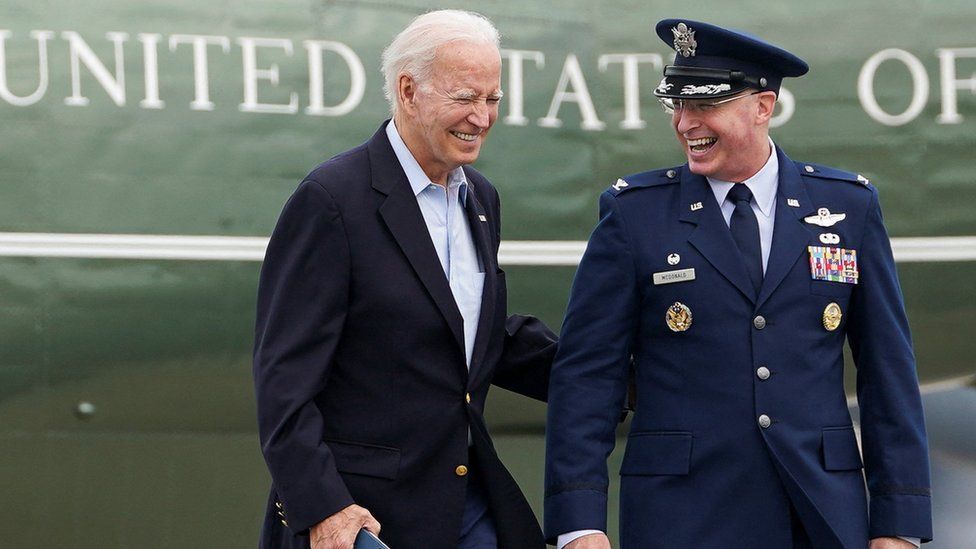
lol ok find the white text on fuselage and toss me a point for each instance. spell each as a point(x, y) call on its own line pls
point(265, 90)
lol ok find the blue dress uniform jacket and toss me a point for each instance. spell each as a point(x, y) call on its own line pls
point(362, 389)
point(701, 469)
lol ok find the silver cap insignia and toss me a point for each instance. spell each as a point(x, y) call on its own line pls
point(684, 40)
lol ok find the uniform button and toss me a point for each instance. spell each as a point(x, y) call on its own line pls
point(762, 373)
point(280, 514)
point(285, 522)
point(759, 322)
point(467, 397)
point(671, 174)
point(278, 504)
point(764, 421)
point(461, 470)
point(809, 169)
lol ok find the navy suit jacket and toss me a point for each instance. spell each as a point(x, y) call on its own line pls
point(699, 469)
point(359, 365)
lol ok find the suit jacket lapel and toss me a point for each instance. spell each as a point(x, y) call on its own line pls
point(402, 216)
point(712, 237)
point(481, 234)
point(791, 235)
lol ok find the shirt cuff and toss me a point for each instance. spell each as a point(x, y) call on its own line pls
point(565, 539)
point(917, 542)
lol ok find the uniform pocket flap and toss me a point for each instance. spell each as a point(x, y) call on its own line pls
point(840, 451)
point(365, 459)
point(657, 454)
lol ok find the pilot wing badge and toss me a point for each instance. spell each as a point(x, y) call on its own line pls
point(824, 218)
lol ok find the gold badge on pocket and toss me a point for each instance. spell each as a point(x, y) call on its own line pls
point(831, 317)
point(678, 317)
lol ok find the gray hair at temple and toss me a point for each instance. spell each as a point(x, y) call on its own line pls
point(413, 51)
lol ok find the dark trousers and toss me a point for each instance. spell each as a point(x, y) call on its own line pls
point(477, 525)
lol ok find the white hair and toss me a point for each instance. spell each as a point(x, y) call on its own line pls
point(412, 52)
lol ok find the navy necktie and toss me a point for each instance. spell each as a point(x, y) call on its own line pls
point(745, 232)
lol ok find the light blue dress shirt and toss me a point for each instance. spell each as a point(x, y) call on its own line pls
point(443, 211)
point(763, 186)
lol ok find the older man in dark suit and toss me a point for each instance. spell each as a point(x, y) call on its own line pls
point(381, 321)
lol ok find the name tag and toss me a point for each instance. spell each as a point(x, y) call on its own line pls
point(668, 277)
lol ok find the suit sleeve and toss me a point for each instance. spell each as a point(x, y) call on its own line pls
point(528, 347)
point(588, 380)
point(302, 303)
point(892, 427)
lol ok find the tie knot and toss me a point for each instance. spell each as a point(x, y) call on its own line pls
point(740, 193)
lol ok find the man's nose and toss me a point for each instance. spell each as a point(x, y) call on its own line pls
point(684, 120)
point(480, 115)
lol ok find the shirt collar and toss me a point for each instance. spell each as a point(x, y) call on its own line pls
point(763, 184)
point(419, 182)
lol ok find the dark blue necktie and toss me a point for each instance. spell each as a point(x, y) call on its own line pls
point(745, 232)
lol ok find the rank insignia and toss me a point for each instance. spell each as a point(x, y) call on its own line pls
point(678, 317)
point(824, 218)
point(833, 264)
point(831, 317)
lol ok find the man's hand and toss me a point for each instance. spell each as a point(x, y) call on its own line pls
point(592, 541)
point(340, 530)
point(890, 543)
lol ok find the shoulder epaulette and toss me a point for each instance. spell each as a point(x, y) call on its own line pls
point(826, 172)
point(652, 178)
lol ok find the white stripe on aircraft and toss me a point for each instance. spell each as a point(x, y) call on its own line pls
point(251, 248)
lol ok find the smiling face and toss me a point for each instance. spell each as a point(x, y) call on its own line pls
point(444, 120)
point(729, 141)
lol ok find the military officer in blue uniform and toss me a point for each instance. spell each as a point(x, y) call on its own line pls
point(729, 285)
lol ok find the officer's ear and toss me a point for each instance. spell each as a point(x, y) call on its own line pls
point(765, 107)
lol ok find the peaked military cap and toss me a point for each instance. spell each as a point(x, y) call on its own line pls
point(711, 62)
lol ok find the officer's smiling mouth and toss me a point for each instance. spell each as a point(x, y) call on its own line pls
point(701, 144)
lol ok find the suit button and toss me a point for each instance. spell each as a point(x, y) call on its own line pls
point(467, 397)
point(461, 470)
point(764, 421)
point(762, 373)
point(759, 322)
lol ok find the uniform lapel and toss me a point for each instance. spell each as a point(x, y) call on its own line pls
point(481, 234)
point(712, 237)
point(402, 216)
point(791, 235)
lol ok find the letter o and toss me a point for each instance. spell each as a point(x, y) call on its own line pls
point(787, 106)
point(920, 85)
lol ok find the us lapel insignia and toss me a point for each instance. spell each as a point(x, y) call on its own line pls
point(831, 316)
point(792, 202)
point(830, 238)
point(824, 218)
point(678, 317)
point(697, 206)
point(833, 264)
point(483, 218)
